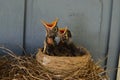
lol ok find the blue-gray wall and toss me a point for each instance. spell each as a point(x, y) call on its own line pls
point(94, 25)
point(11, 23)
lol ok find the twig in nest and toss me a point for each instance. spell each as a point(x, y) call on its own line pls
point(25, 77)
point(48, 77)
point(72, 74)
point(9, 52)
point(101, 60)
point(109, 70)
point(24, 52)
point(27, 71)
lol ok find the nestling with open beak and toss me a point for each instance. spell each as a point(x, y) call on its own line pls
point(51, 33)
point(66, 43)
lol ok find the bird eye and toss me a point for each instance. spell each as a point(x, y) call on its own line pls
point(55, 29)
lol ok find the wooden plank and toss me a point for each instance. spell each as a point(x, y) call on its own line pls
point(87, 19)
point(11, 24)
point(114, 43)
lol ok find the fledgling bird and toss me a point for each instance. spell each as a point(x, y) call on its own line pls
point(51, 33)
point(65, 35)
point(66, 43)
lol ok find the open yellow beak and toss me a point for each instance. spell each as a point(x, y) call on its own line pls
point(50, 25)
point(62, 30)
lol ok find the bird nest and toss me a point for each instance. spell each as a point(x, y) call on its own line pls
point(44, 67)
point(70, 68)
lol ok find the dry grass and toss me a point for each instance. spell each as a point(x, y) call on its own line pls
point(14, 67)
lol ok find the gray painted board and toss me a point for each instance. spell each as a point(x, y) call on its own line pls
point(11, 24)
point(114, 43)
point(87, 19)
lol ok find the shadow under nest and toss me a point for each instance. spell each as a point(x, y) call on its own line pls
point(13, 67)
